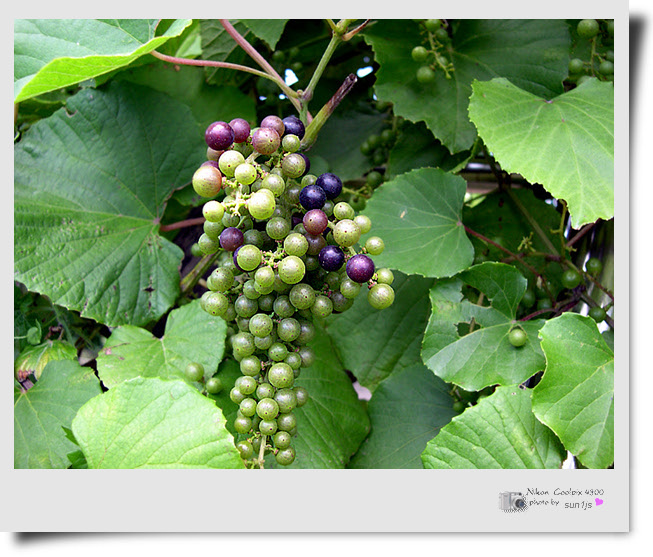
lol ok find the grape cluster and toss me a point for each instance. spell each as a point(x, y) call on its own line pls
point(285, 246)
point(432, 53)
point(600, 34)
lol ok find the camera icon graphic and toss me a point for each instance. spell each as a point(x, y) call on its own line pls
point(512, 502)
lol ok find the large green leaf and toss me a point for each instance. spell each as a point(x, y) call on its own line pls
point(187, 85)
point(484, 356)
point(499, 432)
point(154, 423)
point(41, 413)
point(269, 30)
point(392, 336)
point(54, 53)
point(191, 335)
point(533, 54)
point(418, 216)
point(406, 411)
point(575, 397)
point(566, 143)
point(333, 423)
point(91, 185)
point(416, 147)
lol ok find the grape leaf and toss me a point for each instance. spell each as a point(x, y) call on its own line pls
point(53, 53)
point(485, 356)
point(333, 423)
point(90, 189)
point(499, 432)
point(575, 396)
point(416, 147)
point(191, 335)
point(393, 335)
point(566, 143)
point(188, 86)
point(406, 411)
point(533, 54)
point(154, 423)
point(218, 45)
point(269, 30)
point(41, 413)
point(418, 216)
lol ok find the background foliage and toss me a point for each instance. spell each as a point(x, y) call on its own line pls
point(491, 183)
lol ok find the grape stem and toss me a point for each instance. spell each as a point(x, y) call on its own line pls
point(190, 280)
point(515, 256)
point(181, 224)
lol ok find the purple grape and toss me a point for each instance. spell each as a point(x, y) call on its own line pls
point(219, 136)
point(315, 221)
point(312, 197)
point(231, 238)
point(294, 126)
point(330, 183)
point(241, 129)
point(273, 122)
point(360, 268)
point(235, 257)
point(214, 164)
point(315, 243)
point(308, 163)
point(331, 258)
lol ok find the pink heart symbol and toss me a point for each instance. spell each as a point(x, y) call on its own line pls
point(598, 502)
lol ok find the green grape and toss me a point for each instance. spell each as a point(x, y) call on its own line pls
point(302, 396)
point(343, 210)
point(281, 375)
point(245, 449)
point(289, 329)
point(349, 288)
point(374, 245)
point(570, 279)
point(207, 181)
point(302, 296)
point(587, 28)
point(260, 325)
point(208, 245)
point(277, 352)
point(576, 65)
point(286, 421)
point(374, 179)
point(267, 427)
point(517, 337)
point(264, 276)
point(322, 307)
point(194, 371)
point(248, 407)
point(286, 399)
point(265, 390)
point(214, 303)
point(229, 161)
point(364, 223)
point(425, 75)
point(278, 228)
point(250, 365)
point(213, 211)
point(419, 54)
point(267, 409)
point(432, 25)
point(243, 424)
point(385, 276)
point(346, 233)
point(245, 173)
point(282, 440)
point(606, 68)
point(213, 385)
point(261, 204)
point(291, 269)
point(285, 457)
point(593, 266)
point(597, 313)
point(381, 296)
point(249, 257)
point(291, 143)
point(528, 299)
point(294, 360)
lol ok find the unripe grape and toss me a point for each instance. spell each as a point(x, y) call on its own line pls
point(266, 141)
point(381, 296)
point(419, 54)
point(195, 372)
point(261, 204)
point(245, 173)
point(517, 337)
point(275, 123)
point(291, 269)
point(207, 181)
point(293, 165)
point(374, 245)
point(229, 161)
